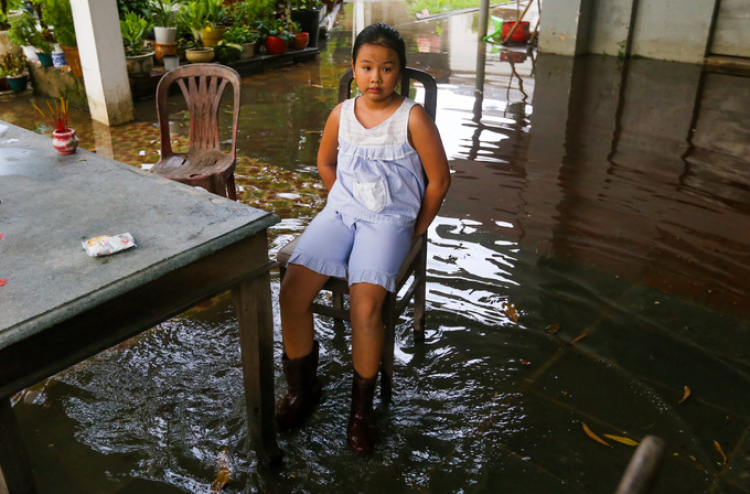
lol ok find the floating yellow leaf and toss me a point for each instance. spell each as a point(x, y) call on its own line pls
point(224, 471)
point(593, 436)
point(553, 329)
point(721, 451)
point(510, 311)
point(620, 439)
point(579, 338)
point(685, 395)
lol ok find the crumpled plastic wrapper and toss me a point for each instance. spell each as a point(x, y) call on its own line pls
point(106, 245)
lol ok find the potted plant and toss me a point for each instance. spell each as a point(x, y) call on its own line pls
point(13, 65)
point(194, 16)
point(25, 31)
point(134, 31)
point(163, 18)
point(243, 36)
point(275, 35)
point(216, 15)
point(58, 14)
point(308, 13)
point(301, 39)
point(63, 137)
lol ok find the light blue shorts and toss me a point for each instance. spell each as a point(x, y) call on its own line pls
point(373, 252)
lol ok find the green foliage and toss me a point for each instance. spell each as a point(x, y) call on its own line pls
point(227, 52)
point(244, 13)
point(193, 18)
point(240, 34)
point(13, 64)
point(134, 31)
point(57, 13)
point(274, 27)
point(439, 6)
point(25, 31)
point(306, 4)
point(140, 7)
point(161, 12)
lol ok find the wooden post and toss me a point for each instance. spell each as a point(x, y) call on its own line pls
point(252, 300)
point(15, 468)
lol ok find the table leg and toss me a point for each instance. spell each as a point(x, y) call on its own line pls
point(252, 301)
point(15, 469)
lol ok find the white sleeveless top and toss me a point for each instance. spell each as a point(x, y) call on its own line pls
point(379, 176)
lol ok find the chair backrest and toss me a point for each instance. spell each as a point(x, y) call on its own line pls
point(202, 86)
point(410, 74)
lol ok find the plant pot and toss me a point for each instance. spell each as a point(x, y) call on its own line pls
point(58, 59)
point(65, 142)
point(199, 55)
point(275, 45)
point(520, 35)
point(45, 59)
point(165, 35)
point(171, 62)
point(164, 49)
point(17, 83)
point(248, 50)
point(30, 53)
point(140, 65)
point(301, 41)
point(212, 36)
point(74, 60)
point(309, 22)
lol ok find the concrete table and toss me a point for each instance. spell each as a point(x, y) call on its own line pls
point(59, 306)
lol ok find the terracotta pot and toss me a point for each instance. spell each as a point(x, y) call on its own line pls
point(302, 41)
point(309, 22)
point(65, 142)
point(163, 49)
point(275, 45)
point(199, 55)
point(73, 59)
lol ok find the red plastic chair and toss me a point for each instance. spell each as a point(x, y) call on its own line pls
point(414, 267)
point(204, 165)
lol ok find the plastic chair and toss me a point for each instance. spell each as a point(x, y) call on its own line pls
point(204, 165)
point(414, 267)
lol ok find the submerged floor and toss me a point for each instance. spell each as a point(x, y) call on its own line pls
point(590, 265)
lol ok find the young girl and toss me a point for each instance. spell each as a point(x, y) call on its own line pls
point(374, 154)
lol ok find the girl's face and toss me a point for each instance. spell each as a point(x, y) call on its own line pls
point(376, 71)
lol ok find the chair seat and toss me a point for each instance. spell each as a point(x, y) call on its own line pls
point(194, 164)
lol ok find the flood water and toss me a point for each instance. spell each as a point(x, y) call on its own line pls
point(589, 265)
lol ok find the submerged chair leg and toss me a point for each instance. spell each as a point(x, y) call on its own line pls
point(389, 343)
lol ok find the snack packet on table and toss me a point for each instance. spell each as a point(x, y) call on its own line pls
point(106, 245)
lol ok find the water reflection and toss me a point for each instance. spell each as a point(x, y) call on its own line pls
point(604, 199)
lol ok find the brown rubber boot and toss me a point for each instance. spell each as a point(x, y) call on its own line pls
point(360, 433)
point(303, 390)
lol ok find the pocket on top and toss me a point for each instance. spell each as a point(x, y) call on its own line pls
point(372, 195)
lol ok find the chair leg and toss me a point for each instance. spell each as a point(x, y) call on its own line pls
point(337, 299)
point(420, 296)
point(231, 187)
point(389, 343)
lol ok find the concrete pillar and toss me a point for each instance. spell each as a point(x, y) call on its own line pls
point(565, 27)
point(672, 30)
point(103, 61)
